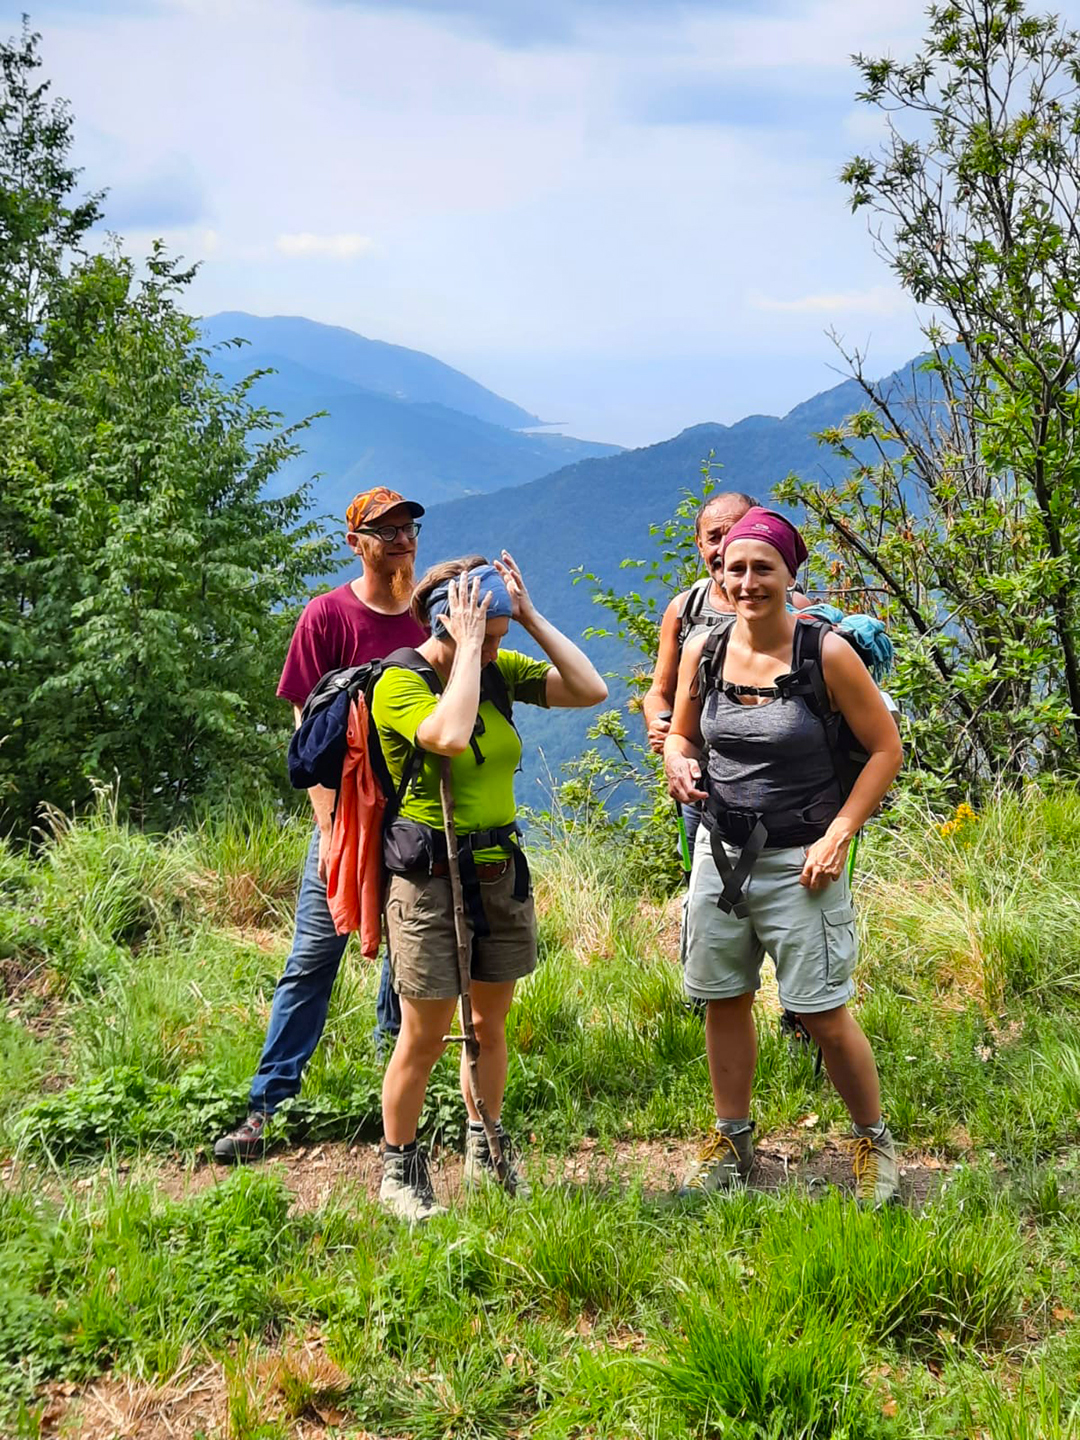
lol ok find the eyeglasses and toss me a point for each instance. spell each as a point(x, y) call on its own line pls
point(387, 533)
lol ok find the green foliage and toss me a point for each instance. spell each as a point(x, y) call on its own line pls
point(757, 1374)
point(959, 510)
point(41, 221)
point(615, 798)
point(146, 583)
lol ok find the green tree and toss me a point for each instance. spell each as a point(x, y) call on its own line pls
point(960, 511)
point(42, 221)
point(146, 586)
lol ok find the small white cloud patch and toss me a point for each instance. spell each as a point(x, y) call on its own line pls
point(880, 300)
point(333, 247)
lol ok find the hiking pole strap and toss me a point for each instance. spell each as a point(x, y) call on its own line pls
point(731, 900)
point(464, 958)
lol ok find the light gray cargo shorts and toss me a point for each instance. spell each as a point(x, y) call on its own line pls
point(810, 934)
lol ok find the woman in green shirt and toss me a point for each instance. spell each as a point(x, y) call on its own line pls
point(468, 605)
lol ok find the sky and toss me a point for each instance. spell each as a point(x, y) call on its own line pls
point(623, 214)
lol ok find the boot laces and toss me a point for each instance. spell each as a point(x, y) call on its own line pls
point(865, 1165)
point(419, 1177)
point(714, 1148)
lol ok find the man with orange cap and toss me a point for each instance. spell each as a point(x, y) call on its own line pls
point(365, 619)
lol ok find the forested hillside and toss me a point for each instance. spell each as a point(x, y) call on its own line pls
point(386, 415)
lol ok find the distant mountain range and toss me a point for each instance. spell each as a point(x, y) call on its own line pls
point(394, 416)
point(403, 418)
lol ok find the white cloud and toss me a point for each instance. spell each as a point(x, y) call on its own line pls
point(528, 226)
point(878, 300)
point(345, 246)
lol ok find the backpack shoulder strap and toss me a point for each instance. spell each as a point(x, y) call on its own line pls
point(693, 603)
point(406, 658)
point(809, 636)
point(409, 659)
point(711, 665)
point(493, 687)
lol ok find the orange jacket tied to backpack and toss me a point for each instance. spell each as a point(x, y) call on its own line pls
point(355, 874)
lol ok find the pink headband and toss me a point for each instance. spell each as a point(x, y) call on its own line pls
point(774, 530)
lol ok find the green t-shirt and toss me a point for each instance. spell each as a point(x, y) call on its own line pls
point(483, 796)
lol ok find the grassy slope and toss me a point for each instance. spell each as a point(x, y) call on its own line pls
point(139, 974)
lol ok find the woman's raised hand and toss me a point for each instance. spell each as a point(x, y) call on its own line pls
point(466, 619)
point(521, 601)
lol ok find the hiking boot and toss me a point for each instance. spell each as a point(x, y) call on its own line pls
point(480, 1167)
point(406, 1189)
point(722, 1163)
point(246, 1142)
point(877, 1174)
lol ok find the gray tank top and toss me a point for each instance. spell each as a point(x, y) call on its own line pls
point(772, 757)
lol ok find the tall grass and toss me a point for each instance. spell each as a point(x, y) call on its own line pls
point(989, 912)
point(139, 972)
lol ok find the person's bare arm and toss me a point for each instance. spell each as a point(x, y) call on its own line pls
point(854, 694)
point(573, 682)
point(322, 802)
point(660, 696)
point(449, 727)
point(683, 747)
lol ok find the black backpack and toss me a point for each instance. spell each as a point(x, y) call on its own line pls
point(318, 745)
point(806, 679)
point(696, 614)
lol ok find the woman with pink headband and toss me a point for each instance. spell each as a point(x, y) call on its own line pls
point(751, 740)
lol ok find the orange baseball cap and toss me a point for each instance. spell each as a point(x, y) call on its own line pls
point(370, 504)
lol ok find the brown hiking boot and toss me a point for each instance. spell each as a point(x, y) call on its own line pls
point(246, 1142)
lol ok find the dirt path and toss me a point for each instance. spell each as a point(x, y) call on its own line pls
point(314, 1173)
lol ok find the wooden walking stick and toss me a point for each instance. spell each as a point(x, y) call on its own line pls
point(464, 948)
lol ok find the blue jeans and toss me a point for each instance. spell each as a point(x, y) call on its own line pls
point(302, 996)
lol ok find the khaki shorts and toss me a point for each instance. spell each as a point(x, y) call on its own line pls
point(423, 947)
point(810, 934)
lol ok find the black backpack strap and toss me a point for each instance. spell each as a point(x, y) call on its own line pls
point(690, 610)
point(732, 899)
point(711, 665)
point(409, 659)
point(404, 659)
point(493, 687)
point(809, 635)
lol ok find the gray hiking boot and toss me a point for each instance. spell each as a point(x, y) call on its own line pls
point(480, 1167)
point(406, 1189)
point(722, 1163)
point(246, 1142)
point(877, 1172)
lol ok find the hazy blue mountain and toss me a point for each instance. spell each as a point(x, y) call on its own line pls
point(393, 370)
point(370, 436)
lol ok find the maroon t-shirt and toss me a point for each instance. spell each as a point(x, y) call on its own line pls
point(337, 629)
